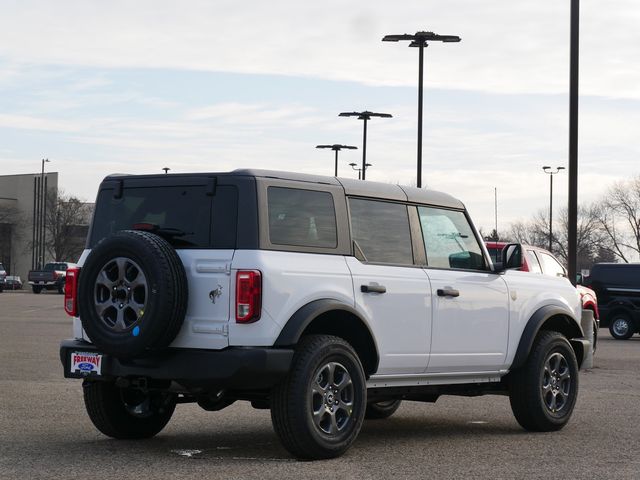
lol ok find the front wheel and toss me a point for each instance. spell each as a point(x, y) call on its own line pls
point(127, 413)
point(621, 327)
point(543, 392)
point(318, 410)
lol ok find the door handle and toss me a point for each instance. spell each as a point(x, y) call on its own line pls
point(373, 289)
point(448, 292)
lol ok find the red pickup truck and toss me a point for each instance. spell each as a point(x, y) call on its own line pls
point(539, 260)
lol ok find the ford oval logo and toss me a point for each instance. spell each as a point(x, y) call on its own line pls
point(85, 366)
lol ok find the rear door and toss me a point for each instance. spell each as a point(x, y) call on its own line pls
point(394, 294)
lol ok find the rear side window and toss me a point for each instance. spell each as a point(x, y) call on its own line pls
point(449, 240)
point(304, 218)
point(183, 212)
point(381, 231)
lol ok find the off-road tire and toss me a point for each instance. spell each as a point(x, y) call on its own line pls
point(617, 331)
point(381, 410)
point(165, 300)
point(526, 389)
point(293, 401)
point(108, 412)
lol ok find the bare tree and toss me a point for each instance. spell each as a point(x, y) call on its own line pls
point(592, 245)
point(619, 218)
point(66, 225)
point(533, 232)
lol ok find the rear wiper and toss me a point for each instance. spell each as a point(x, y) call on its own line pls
point(162, 231)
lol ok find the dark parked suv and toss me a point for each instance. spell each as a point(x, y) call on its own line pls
point(617, 286)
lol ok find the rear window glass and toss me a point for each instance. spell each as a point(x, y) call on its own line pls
point(305, 218)
point(50, 267)
point(183, 212)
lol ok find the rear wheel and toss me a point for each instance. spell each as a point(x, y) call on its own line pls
point(621, 327)
point(543, 392)
point(319, 408)
point(36, 288)
point(381, 410)
point(127, 413)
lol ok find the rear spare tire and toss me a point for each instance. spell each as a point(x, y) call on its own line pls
point(132, 294)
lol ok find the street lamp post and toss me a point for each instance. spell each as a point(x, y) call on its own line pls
point(420, 39)
point(551, 173)
point(336, 148)
point(359, 170)
point(572, 207)
point(365, 116)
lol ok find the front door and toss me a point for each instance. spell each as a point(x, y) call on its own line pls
point(470, 303)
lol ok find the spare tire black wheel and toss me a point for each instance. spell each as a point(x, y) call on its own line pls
point(132, 294)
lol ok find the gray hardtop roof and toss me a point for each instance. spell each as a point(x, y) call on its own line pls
point(387, 191)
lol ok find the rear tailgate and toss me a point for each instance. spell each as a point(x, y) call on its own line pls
point(40, 276)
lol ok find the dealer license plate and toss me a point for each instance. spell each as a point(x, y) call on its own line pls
point(85, 363)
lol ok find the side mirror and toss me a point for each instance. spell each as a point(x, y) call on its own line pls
point(512, 257)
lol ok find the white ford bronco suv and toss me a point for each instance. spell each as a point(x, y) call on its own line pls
point(324, 299)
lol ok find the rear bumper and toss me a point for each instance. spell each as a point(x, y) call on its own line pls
point(241, 368)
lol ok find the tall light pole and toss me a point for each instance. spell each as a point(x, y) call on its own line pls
point(359, 170)
point(365, 116)
point(420, 39)
point(551, 173)
point(336, 148)
point(572, 210)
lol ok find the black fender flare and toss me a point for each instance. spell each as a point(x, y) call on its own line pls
point(300, 320)
point(304, 316)
point(533, 327)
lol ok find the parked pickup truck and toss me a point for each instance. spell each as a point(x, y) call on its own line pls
point(52, 277)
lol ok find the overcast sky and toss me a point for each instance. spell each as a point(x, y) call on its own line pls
point(122, 86)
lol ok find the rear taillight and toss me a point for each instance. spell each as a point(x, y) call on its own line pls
point(248, 296)
point(71, 291)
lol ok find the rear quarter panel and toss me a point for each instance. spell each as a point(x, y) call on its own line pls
point(290, 280)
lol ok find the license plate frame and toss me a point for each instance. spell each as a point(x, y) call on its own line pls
point(85, 364)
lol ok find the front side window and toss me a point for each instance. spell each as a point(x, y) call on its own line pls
point(449, 240)
point(305, 218)
point(381, 231)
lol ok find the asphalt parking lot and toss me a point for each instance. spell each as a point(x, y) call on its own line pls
point(45, 433)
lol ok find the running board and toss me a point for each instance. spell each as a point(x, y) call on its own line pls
point(449, 378)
